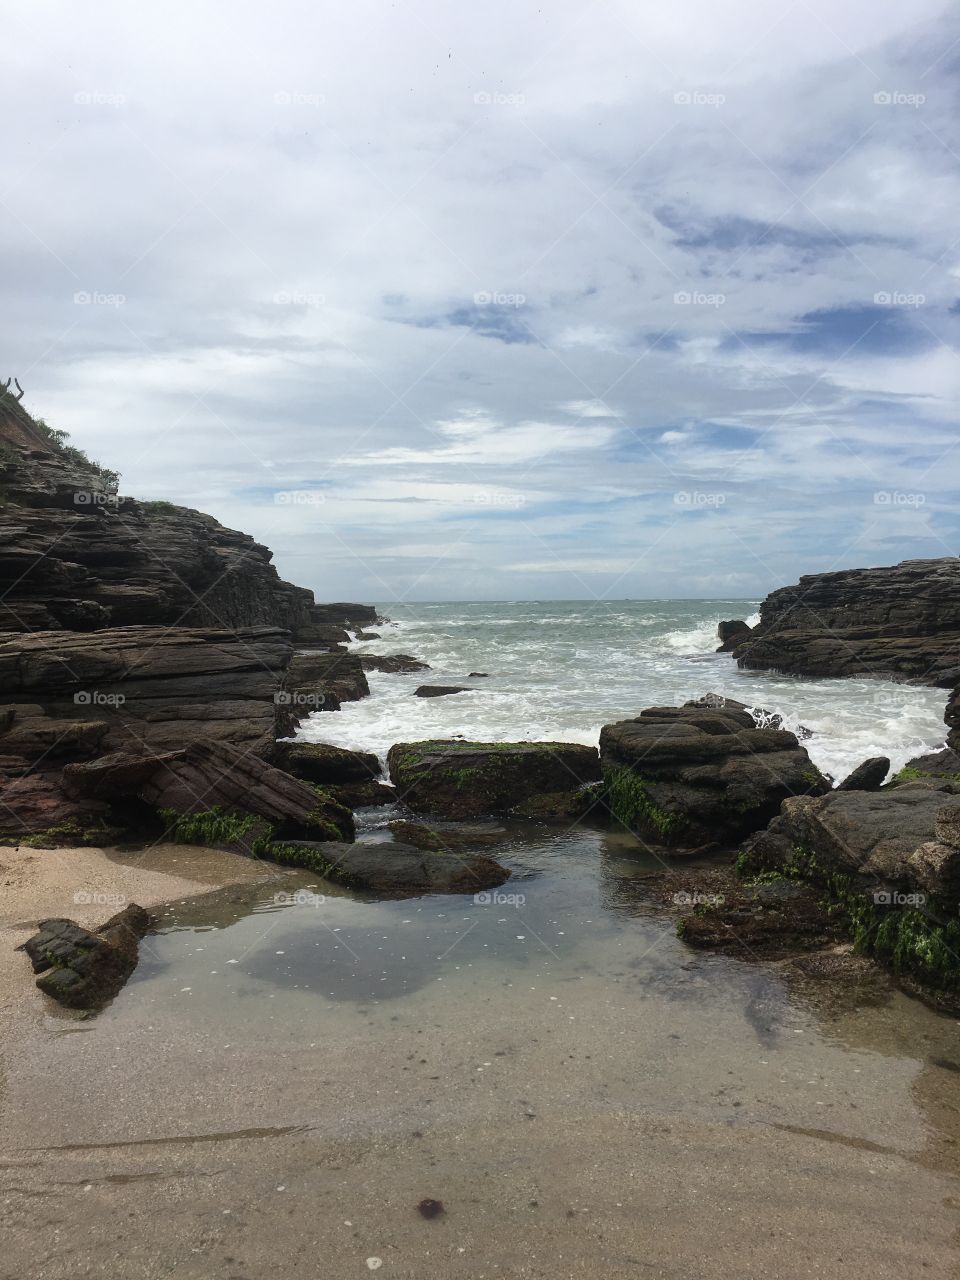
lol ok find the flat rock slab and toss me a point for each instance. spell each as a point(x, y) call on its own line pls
point(397, 869)
point(393, 663)
point(455, 779)
point(439, 690)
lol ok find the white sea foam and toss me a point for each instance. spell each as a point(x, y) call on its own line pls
point(560, 670)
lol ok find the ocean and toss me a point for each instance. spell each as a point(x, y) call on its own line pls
point(561, 669)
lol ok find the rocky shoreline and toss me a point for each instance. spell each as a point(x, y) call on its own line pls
point(154, 667)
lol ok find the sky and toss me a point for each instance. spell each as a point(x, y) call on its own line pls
point(440, 301)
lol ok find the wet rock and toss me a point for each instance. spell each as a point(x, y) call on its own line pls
point(439, 690)
point(561, 806)
point(319, 682)
point(868, 776)
point(326, 764)
point(478, 675)
point(363, 795)
point(368, 635)
point(695, 775)
point(396, 869)
point(901, 620)
point(422, 837)
point(84, 969)
point(459, 779)
point(730, 634)
point(883, 837)
point(394, 663)
point(937, 768)
point(762, 718)
point(206, 781)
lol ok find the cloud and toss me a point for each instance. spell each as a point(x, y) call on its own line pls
point(511, 314)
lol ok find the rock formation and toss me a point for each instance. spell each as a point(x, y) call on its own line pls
point(901, 621)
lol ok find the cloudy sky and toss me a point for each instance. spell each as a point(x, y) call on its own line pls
point(506, 301)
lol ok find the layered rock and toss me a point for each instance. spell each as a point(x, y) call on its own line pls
point(695, 776)
point(901, 621)
point(456, 779)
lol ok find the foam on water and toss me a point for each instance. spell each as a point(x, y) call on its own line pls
point(560, 670)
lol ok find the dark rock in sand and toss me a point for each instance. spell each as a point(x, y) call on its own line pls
point(457, 779)
point(730, 634)
point(439, 690)
point(868, 776)
point(396, 869)
point(902, 620)
point(393, 664)
point(84, 969)
point(696, 776)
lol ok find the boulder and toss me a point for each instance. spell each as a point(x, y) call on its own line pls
point(904, 836)
point(362, 795)
point(84, 969)
point(901, 621)
point(458, 779)
point(397, 870)
point(439, 690)
point(868, 776)
point(479, 675)
point(940, 769)
point(730, 634)
point(393, 664)
point(684, 776)
point(328, 765)
point(761, 717)
point(422, 837)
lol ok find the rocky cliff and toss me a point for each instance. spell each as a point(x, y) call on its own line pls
point(900, 622)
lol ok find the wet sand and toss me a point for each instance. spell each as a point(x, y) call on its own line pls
point(586, 1096)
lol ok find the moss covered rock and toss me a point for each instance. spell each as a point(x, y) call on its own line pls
point(457, 779)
